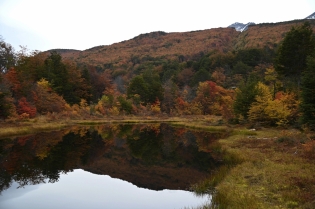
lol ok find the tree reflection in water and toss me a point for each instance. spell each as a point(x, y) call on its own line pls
point(154, 156)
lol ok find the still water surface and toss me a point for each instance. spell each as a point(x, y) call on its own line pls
point(109, 166)
point(81, 189)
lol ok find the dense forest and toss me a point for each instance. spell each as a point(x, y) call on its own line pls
point(264, 75)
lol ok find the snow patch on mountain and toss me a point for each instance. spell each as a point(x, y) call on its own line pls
point(240, 26)
point(312, 16)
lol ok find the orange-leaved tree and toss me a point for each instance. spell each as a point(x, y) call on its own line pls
point(215, 100)
point(46, 100)
point(12, 79)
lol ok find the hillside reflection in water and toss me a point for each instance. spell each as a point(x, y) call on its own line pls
point(155, 157)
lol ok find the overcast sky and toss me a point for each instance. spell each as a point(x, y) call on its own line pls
point(82, 24)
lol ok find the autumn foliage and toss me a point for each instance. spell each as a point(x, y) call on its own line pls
point(45, 99)
point(25, 109)
point(212, 72)
point(214, 99)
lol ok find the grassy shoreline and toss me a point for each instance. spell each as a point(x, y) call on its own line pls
point(276, 171)
point(15, 128)
point(275, 167)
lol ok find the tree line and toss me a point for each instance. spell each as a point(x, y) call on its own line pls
point(257, 85)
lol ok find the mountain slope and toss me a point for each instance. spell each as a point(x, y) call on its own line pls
point(157, 44)
point(184, 45)
point(267, 34)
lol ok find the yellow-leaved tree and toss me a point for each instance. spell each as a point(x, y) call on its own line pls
point(269, 111)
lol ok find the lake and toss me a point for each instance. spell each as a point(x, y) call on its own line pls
point(107, 166)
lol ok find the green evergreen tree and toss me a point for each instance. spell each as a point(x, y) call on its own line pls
point(242, 69)
point(251, 57)
point(5, 106)
point(245, 96)
point(200, 76)
point(7, 56)
point(138, 86)
point(147, 85)
point(155, 88)
point(291, 56)
point(125, 105)
point(67, 80)
point(87, 83)
point(57, 74)
point(7, 60)
point(307, 105)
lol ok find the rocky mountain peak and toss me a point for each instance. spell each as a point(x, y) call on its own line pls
point(240, 26)
point(312, 16)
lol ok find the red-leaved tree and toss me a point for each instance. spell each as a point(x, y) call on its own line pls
point(25, 107)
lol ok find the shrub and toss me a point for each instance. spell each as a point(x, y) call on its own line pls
point(25, 107)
